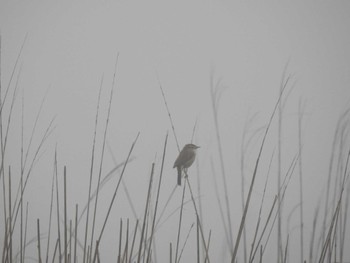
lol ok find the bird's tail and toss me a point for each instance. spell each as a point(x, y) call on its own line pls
point(179, 175)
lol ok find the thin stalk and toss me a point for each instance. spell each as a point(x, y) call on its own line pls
point(1, 105)
point(124, 185)
point(76, 233)
point(300, 117)
point(65, 214)
point(104, 181)
point(243, 188)
point(337, 187)
point(184, 245)
point(50, 216)
point(261, 254)
point(272, 225)
point(174, 211)
point(339, 225)
point(333, 246)
point(4, 199)
point(328, 238)
point(38, 230)
point(91, 171)
point(116, 189)
point(14, 96)
point(197, 217)
point(2, 158)
point(70, 241)
point(97, 253)
point(133, 240)
point(207, 248)
point(284, 83)
point(5, 248)
point(12, 222)
point(154, 251)
point(283, 191)
point(125, 253)
point(180, 222)
point(22, 169)
point(10, 218)
point(25, 234)
point(244, 147)
point(171, 253)
point(120, 240)
point(145, 214)
point(198, 177)
point(55, 251)
point(215, 92)
point(342, 229)
point(260, 211)
point(47, 133)
point(286, 251)
point(219, 201)
point(23, 163)
point(264, 229)
point(166, 205)
point(342, 241)
point(157, 198)
point(197, 243)
point(335, 214)
point(102, 153)
point(199, 191)
point(173, 128)
point(98, 256)
point(2, 102)
point(58, 210)
point(253, 180)
point(330, 171)
point(169, 115)
point(21, 225)
point(3, 178)
point(144, 248)
point(314, 224)
point(34, 129)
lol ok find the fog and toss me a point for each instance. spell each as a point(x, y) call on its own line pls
point(247, 50)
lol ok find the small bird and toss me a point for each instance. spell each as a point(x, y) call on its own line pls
point(185, 159)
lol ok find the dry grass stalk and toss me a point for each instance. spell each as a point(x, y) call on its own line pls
point(102, 156)
point(252, 182)
point(39, 247)
point(157, 198)
point(91, 172)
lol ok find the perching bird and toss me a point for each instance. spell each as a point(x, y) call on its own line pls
point(185, 159)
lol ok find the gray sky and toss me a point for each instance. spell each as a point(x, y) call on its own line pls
point(70, 45)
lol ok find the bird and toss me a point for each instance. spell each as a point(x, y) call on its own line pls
point(185, 159)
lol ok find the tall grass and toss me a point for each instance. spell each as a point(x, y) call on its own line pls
point(137, 237)
point(216, 90)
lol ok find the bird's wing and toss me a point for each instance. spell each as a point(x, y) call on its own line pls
point(184, 157)
point(177, 161)
point(189, 161)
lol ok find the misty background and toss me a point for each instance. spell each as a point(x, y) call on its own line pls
point(71, 46)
